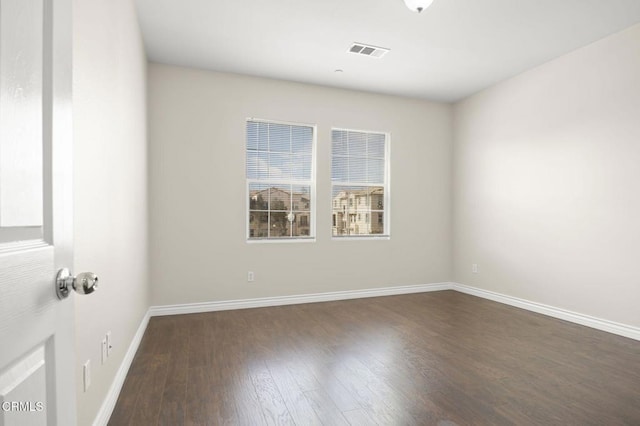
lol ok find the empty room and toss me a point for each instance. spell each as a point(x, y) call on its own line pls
point(339, 212)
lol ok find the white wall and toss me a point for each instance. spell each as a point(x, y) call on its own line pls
point(546, 185)
point(197, 186)
point(110, 187)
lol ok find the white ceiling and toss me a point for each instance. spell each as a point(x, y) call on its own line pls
point(451, 50)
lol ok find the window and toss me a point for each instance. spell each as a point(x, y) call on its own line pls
point(360, 183)
point(280, 180)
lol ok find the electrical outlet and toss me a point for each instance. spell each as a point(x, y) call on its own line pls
point(250, 277)
point(104, 350)
point(109, 344)
point(474, 268)
point(86, 374)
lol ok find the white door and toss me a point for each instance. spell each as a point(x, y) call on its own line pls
point(36, 328)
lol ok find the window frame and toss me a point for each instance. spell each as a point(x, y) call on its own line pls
point(273, 182)
point(386, 211)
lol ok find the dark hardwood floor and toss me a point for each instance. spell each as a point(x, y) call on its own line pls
point(442, 358)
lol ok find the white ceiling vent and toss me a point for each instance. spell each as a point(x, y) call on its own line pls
point(368, 50)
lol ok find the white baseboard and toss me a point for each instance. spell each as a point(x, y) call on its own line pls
point(589, 321)
point(190, 308)
point(193, 308)
point(110, 400)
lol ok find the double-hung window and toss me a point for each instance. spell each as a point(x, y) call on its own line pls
point(359, 183)
point(280, 180)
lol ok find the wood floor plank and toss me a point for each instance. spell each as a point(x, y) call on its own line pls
point(441, 358)
point(172, 408)
point(361, 417)
point(273, 406)
point(373, 393)
point(148, 402)
point(325, 408)
point(294, 398)
point(126, 403)
point(202, 406)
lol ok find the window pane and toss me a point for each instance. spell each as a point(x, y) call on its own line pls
point(279, 225)
point(279, 138)
point(302, 139)
point(280, 166)
point(376, 145)
point(340, 197)
point(340, 169)
point(252, 136)
point(252, 165)
point(339, 145)
point(376, 196)
point(357, 210)
point(301, 167)
point(357, 144)
point(263, 137)
point(301, 224)
point(258, 224)
point(357, 169)
point(350, 199)
point(280, 198)
point(375, 172)
point(301, 198)
point(340, 224)
point(257, 165)
point(258, 197)
point(377, 223)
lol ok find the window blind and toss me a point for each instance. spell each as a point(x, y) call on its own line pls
point(359, 177)
point(280, 185)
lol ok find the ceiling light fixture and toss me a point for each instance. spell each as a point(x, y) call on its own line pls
point(418, 5)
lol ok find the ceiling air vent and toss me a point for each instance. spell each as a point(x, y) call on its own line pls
point(368, 50)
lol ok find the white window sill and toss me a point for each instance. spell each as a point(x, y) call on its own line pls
point(281, 240)
point(361, 238)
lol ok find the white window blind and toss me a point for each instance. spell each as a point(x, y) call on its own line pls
point(280, 180)
point(360, 183)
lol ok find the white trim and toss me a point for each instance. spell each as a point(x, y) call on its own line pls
point(279, 240)
point(345, 129)
point(373, 237)
point(285, 122)
point(109, 403)
point(574, 317)
point(224, 305)
point(110, 400)
point(11, 247)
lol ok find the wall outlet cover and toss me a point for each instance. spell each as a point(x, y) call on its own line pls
point(86, 374)
point(109, 344)
point(104, 350)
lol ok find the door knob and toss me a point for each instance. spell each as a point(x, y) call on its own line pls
point(83, 283)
